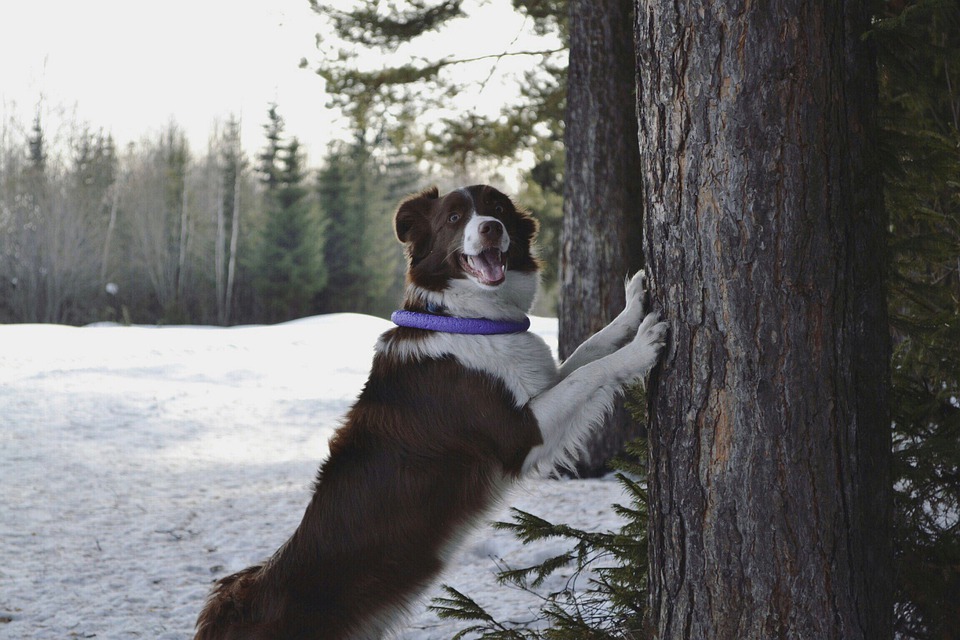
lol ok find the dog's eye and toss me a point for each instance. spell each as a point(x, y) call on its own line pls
point(453, 217)
point(499, 208)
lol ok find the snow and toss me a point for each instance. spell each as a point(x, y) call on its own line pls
point(139, 464)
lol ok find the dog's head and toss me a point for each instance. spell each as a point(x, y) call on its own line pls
point(474, 234)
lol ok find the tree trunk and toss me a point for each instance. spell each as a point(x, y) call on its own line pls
point(182, 245)
point(601, 230)
point(111, 226)
point(220, 242)
point(769, 439)
point(234, 231)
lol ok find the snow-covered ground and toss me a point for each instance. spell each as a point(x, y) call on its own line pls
point(138, 464)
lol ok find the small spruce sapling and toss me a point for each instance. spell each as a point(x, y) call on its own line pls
point(611, 605)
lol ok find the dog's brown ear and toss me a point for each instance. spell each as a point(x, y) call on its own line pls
point(411, 221)
point(528, 226)
point(522, 239)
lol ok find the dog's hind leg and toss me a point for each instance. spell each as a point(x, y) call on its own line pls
point(614, 335)
point(568, 411)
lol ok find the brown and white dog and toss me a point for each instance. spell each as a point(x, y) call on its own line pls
point(450, 416)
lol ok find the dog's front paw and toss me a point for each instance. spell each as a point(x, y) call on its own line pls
point(650, 340)
point(636, 289)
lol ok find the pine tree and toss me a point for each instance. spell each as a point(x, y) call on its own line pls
point(31, 213)
point(769, 434)
point(344, 220)
point(393, 176)
point(919, 53)
point(269, 159)
point(176, 156)
point(359, 188)
point(290, 269)
point(393, 97)
point(542, 193)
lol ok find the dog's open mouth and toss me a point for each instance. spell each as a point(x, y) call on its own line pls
point(489, 267)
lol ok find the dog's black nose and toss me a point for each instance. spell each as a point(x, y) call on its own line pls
point(491, 230)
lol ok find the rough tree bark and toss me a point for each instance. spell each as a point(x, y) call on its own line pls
point(601, 230)
point(769, 437)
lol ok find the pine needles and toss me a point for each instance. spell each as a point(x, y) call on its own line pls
point(605, 594)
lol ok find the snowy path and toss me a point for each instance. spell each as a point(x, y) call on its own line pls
point(139, 464)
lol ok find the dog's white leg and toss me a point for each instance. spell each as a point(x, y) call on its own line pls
point(568, 411)
point(614, 335)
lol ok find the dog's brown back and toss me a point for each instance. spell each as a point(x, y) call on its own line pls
point(421, 455)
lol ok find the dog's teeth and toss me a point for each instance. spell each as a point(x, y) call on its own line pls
point(488, 265)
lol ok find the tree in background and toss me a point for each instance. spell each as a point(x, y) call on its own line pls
point(919, 54)
point(11, 161)
point(94, 190)
point(27, 212)
point(153, 233)
point(155, 209)
point(359, 189)
point(392, 94)
point(91, 195)
point(51, 244)
point(176, 209)
point(345, 224)
point(601, 230)
point(290, 269)
point(227, 243)
point(542, 193)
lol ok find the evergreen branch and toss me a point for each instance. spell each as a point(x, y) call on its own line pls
point(540, 572)
point(457, 606)
point(528, 528)
point(366, 26)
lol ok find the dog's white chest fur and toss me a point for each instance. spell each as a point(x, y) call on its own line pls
point(521, 360)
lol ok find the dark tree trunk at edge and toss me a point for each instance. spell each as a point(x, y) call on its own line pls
point(769, 437)
point(601, 231)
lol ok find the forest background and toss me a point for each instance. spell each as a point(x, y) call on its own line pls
point(160, 232)
point(167, 229)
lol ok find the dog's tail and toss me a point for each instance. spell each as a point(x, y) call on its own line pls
point(230, 612)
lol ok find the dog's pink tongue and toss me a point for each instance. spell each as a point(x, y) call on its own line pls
point(490, 266)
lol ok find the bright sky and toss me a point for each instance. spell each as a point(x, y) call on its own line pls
point(130, 66)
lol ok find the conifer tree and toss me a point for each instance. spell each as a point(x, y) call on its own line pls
point(289, 269)
point(919, 54)
point(176, 156)
point(392, 97)
point(36, 146)
point(31, 213)
point(269, 159)
point(359, 188)
point(345, 226)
